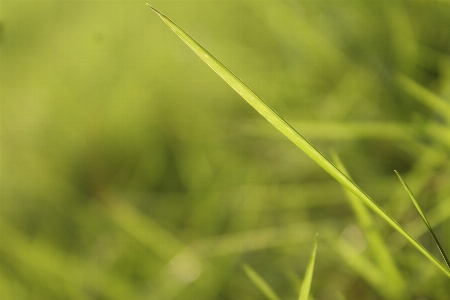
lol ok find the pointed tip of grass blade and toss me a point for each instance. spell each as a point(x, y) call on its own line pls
point(156, 11)
point(260, 282)
point(306, 286)
point(149, 5)
point(424, 218)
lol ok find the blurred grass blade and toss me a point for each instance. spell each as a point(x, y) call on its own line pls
point(425, 96)
point(424, 218)
point(363, 267)
point(391, 280)
point(260, 283)
point(306, 285)
point(276, 120)
point(340, 296)
point(144, 230)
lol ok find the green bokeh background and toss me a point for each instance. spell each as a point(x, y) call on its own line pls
point(130, 170)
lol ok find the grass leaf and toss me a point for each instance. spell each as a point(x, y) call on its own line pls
point(424, 218)
point(276, 120)
point(306, 285)
point(260, 283)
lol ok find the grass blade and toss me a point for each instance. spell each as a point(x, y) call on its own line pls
point(276, 120)
point(306, 285)
point(424, 218)
point(260, 283)
point(425, 96)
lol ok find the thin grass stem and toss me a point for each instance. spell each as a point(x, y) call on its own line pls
point(424, 218)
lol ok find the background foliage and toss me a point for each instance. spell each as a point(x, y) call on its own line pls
point(129, 170)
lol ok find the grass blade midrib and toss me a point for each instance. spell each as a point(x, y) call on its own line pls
point(276, 120)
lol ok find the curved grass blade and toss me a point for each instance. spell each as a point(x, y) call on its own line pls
point(260, 283)
point(424, 218)
point(306, 285)
point(276, 120)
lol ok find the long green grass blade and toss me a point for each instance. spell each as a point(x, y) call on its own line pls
point(260, 283)
point(424, 218)
point(306, 285)
point(276, 120)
